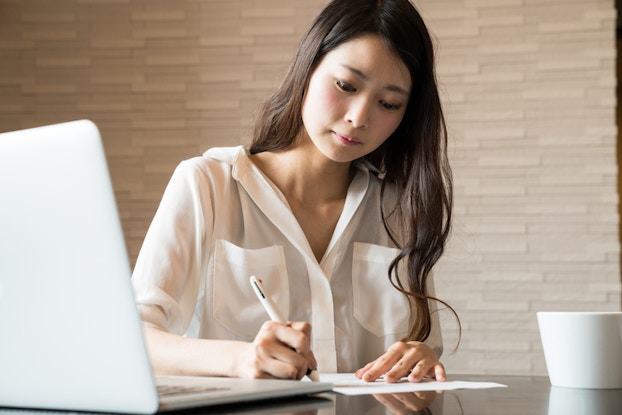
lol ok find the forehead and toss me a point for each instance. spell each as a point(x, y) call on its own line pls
point(371, 56)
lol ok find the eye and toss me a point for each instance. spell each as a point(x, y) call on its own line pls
point(345, 86)
point(389, 106)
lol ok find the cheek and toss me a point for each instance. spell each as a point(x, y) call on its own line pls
point(322, 99)
point(389, 124)
point(329, 99)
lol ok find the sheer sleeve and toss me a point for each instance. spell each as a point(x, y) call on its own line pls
point(167, 274)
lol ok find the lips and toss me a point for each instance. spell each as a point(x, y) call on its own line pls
point(348, 139)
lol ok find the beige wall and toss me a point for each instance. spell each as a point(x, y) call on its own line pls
point(530, 93)
point(529, 88)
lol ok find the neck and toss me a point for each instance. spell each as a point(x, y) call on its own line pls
point(305, 175)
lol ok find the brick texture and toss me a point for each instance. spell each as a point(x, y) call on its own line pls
point(529, 91)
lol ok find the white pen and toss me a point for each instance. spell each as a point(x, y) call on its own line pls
point(274, 313)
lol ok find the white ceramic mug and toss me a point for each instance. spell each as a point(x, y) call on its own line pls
point(582, 349)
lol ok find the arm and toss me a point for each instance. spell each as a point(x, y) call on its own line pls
point(168, 280)
point(278, 351)
point(171, 354)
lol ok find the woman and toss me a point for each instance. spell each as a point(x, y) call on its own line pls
point(342, 206)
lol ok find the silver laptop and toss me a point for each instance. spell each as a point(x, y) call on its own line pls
point(70, 334)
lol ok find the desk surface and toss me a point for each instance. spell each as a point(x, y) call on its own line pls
point(525, 395)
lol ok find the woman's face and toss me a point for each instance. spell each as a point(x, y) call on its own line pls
point(356, 98)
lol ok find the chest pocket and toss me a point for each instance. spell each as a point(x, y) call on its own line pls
point(236, 306)
point(378, 306)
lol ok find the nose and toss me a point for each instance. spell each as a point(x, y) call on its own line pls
point(358, 113)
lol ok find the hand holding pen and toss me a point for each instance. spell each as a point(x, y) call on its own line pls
point(276, 316)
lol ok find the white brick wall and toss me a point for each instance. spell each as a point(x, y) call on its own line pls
point(529, 91)
point(530, 95)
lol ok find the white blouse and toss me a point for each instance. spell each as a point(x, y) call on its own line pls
point(221, 220)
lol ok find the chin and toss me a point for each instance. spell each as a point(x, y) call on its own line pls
point(343, 158)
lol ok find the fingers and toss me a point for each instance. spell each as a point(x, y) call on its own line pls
point(277, 361)
point(365, 369)
point(414, 360)
point(432, 369)
point(283, 351)
point(438, 373)
point(299, 338)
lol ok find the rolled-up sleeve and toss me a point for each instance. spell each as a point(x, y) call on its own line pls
point(166, 277)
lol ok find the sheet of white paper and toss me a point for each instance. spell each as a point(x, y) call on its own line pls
point(348, 384)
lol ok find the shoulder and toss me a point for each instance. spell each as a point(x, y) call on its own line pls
point(215, 161)
point(228, 155)
point(212, 170)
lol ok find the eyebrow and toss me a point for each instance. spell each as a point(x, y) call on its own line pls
point(364, 76)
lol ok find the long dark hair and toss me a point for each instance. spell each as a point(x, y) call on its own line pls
point(413, 160)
